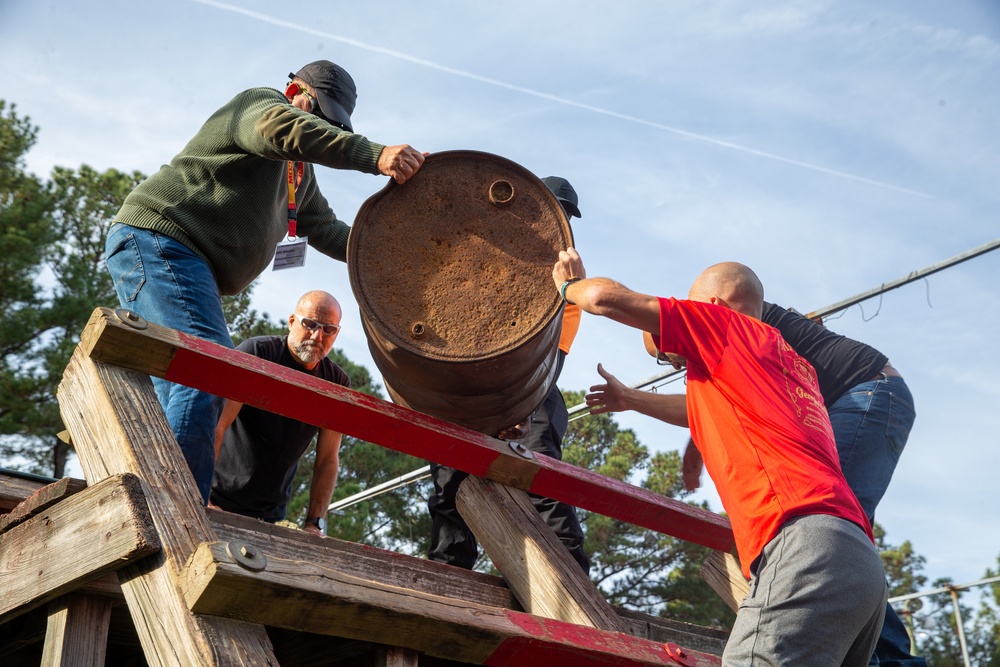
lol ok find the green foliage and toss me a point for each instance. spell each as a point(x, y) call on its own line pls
point(902, 565)
point(932, 620)
point(25, 223)
point(985, 636)
point(245, 322)
point(635, 567)
point(51, 278)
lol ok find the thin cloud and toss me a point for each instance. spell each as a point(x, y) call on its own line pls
point(553, 98)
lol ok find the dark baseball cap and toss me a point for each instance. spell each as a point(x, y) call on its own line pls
point(565, 193)
point(335, 90)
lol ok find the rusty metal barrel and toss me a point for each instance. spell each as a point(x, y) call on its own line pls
point(452, 273)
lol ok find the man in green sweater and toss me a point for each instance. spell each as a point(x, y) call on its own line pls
point(208, 223)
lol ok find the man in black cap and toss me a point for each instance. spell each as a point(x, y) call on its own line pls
point(208, 223)
point(451, 540)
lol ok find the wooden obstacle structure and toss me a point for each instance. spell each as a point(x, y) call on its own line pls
point(129, 568)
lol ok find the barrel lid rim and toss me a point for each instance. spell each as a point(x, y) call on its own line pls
point(394, 336)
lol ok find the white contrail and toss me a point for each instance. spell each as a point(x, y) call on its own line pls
point(547, 96)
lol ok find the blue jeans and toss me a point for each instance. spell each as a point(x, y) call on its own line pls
point(162, 280)
point(871, 424)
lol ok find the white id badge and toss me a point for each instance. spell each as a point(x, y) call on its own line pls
point(290, 254)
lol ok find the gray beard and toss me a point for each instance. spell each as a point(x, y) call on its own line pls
point(307, 352)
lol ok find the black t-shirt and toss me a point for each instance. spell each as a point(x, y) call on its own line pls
point(840, 362)
point(261, 450)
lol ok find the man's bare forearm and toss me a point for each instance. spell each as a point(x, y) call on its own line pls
point(670, 408)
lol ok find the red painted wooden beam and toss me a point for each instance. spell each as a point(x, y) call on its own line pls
point(555, 643)
point(234, 375)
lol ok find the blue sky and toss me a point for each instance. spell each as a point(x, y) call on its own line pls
point(831, 146)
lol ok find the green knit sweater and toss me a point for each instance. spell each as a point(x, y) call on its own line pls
point(225, 195)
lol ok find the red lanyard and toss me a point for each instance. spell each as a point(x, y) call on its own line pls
point(294, 181)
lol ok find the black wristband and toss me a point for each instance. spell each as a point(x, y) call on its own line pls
point(562, 290)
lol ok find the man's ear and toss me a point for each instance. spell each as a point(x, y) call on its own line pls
point(719, 301)
point(647, 341)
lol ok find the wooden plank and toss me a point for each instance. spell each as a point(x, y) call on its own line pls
point(106, 585)
point(95, 532)
point(118, 426)
point(77, 632)
point(263, 384)
point(723, 574)
point(306, 596)
point(419, 574)
point(365, 562)
point(15, 488)
point(536, 565)
point(396, 656)
point(40, 500)
point(665, 630)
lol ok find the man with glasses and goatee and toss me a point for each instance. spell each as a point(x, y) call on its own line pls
point(257, 451)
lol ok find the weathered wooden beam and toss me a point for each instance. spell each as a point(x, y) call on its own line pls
point(106, 585)
point(722, 572)
point(665, 630)
point(536, 565)
point(232, 374)
point(40, 500)
point(419, 574)
point(306, 596)
point(15, 488)
point(98, 531)
point(77, 631)
point(118, 426)
point(364, 561)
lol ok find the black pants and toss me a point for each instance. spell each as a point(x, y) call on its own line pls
point(451, 540)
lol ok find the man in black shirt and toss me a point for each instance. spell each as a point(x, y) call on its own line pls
point(257, 451)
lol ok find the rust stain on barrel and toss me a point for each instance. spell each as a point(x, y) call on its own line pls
point(454, 267)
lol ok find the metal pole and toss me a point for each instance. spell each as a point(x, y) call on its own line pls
point(392, 484)
point(858, 298)
point(953, 590)
point(958, 621)
point(944, 589)
point(908, 278)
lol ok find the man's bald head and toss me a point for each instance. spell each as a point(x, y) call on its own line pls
point(322, 304)
point(732, 285)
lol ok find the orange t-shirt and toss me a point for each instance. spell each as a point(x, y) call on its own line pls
point(570, 325)
point(757, 417)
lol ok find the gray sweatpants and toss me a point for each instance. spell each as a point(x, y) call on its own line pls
point(817, 597)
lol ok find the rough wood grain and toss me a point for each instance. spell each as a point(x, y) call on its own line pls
point(536, 565)
point(15, 488)
point(41, 499)
point(253, 381)
point(664, 630)
point(77, 632)
point(90, 534)
point(365, 562)
point(118, 426)
point(426, 576)
point(721, 571)
point(312, 598)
